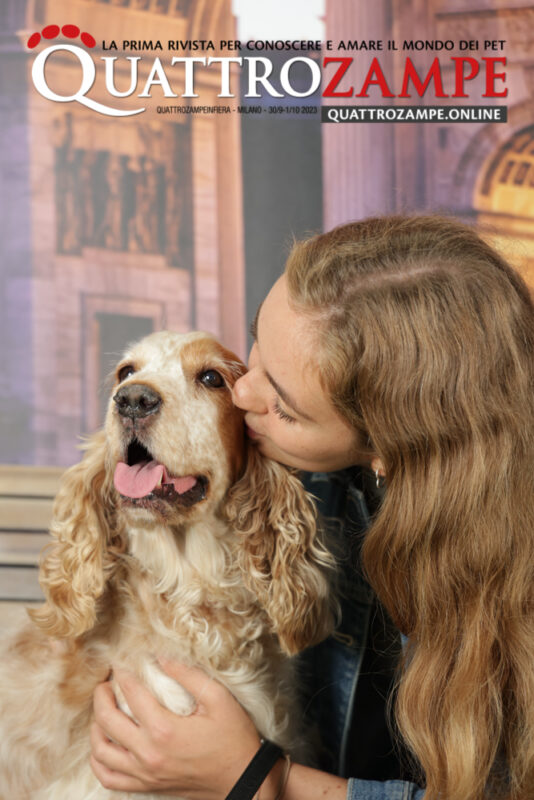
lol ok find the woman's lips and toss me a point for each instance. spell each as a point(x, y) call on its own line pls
point(251, 433)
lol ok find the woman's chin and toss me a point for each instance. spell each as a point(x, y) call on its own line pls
point(269, 450)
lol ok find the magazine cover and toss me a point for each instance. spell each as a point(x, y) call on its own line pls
point(159, 158)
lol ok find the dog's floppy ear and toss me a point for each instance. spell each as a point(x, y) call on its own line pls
point(76, 566)
point(283, 562)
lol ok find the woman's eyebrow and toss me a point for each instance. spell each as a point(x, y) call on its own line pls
point(254, 323)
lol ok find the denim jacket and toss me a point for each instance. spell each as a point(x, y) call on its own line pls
point(330, 670)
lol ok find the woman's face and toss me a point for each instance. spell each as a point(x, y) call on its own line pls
point(288, 413)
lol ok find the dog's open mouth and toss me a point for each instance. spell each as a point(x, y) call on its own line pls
point(142, 480)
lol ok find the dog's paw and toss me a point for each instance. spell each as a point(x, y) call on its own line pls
point(169, 692)
point(166, 690)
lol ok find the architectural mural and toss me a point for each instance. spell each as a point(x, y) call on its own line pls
point(120, 202)
point(113, 228)
point(477, 171)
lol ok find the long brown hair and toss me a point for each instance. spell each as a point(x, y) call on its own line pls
point(426, 346)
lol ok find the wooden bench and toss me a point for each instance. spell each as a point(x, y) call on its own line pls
point(26, 497)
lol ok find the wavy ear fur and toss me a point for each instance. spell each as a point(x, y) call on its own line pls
point(282, 560)
point(76, 566)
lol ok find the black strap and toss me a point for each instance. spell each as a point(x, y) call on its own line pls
point(256, 772)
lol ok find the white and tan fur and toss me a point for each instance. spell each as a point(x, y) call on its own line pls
point(233, 583)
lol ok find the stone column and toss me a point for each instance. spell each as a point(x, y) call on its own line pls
point(358, 160)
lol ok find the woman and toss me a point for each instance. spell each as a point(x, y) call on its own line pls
point(405, 344)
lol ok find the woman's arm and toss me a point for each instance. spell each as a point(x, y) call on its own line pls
point(202, 755)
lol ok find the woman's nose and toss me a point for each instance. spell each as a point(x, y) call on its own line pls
point(245, 396)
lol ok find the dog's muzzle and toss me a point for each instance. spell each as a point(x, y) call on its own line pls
point(137, 401)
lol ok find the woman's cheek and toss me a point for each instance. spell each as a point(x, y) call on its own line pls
point(294, 442)
point(275, 431)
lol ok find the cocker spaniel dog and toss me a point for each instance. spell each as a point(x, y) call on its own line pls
point(172, 537)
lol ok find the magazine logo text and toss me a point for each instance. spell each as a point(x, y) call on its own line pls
point(180, 76)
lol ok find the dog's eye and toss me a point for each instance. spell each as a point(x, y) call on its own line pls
point(125, 372)
point(212, 379)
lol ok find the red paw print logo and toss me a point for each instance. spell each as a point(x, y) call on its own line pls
point(53, 31)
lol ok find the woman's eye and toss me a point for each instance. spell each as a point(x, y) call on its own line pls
point(279, 411)
point(212, 379)
point(125, 372)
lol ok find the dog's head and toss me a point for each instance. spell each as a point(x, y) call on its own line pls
point(173, 453)
point(175, 438)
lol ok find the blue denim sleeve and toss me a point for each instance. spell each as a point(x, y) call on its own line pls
point(386, 790)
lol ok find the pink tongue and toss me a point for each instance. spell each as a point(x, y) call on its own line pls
point(141, 479)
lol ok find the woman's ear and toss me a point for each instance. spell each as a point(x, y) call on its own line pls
point(378, 467)
point(283, 562)
point(76, 566)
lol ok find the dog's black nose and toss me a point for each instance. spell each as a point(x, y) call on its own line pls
point(137, 401)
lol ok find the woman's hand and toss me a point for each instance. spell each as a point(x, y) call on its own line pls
point(200, 756)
